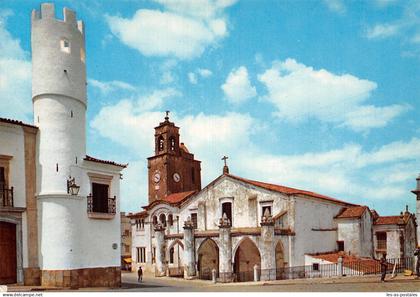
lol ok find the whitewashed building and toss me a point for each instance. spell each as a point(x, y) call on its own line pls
point(235, 224)
point(59, 207)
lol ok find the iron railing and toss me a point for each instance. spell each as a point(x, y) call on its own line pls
point(110, 207)
point(348, 268)
point(176, 271)
point(6, 197)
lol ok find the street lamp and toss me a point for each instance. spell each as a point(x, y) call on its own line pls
point(72, 188)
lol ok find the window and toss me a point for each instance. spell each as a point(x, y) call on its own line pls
point(100, 193)
point(141, 255)
point(171, 255)
point(162, 219)
point(160, 144)
point(194, 220)
point(340, 245)
point(381, 240)
point(315, 266)
point(65, 45)
point(172, 143)
point(170, 220)
point(2, 179)
point(227, 209)
point(264, 208)
point(140, 224)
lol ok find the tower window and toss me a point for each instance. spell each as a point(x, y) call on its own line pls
point(172, 143)
point(170, 220)
point(171, 255)
point(160, 144)
point(65, 45)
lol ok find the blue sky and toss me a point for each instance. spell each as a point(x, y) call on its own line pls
point(318, 95)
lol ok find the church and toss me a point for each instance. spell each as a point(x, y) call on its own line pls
point(55, 200)
point(235, 224)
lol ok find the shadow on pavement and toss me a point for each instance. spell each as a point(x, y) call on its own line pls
point(139, 285)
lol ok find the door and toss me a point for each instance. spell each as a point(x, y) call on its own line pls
point(8, 259)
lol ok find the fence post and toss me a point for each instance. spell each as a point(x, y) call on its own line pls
point(340, 266)
point(255, 273)
point(213, 276)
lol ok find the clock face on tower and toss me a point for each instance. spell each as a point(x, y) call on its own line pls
point(156, 177)
point(176, 177)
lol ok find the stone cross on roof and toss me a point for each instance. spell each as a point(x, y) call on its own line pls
point(225, 168)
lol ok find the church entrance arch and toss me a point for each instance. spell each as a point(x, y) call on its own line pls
point(8, 256)
point(175, 253)
point(246, 257)
point(279, 261)
point(208, 259)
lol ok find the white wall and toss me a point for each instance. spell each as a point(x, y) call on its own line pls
point(313, 213)
point(12, 144)
point(69, 239)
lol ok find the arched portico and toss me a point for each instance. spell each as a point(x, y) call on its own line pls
point(247, 256)
point(208, 258)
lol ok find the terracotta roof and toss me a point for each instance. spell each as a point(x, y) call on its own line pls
point(138, 214)
point(16, 122)
point(365, 265)
point(178, 197)
point(92, 159)
point(171, 199)
point(351, 212)
point(288, 190)
point(389, 220)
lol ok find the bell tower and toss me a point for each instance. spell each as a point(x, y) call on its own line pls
point(172, 169)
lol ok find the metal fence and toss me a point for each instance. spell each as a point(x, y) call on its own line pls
point(347, 268)
point(176, 271)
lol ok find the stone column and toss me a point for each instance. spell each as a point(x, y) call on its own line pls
point(160, 249)
point(189, 250)
point(225, 252)
point(267, 248)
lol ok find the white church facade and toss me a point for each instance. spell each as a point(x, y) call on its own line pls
point(53, 196)
point(234, 225)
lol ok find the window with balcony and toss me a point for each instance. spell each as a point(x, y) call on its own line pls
point(6, 192)
point(99, 203)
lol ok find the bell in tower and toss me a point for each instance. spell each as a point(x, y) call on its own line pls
point(173, 168)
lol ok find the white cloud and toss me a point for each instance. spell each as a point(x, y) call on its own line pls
point(366, 117)
point(183, 30)
point(336, 6)
point(383, 31)
point(15, 75)
point(200, 72)
point(300, 92)
point(204, 72)
point(237, 87)
point(110, 86)
point(192, 77)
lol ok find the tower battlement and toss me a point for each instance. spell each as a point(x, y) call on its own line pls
point(47, 12)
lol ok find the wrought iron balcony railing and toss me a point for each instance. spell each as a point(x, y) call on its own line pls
point(6, 197)
point(101, 205)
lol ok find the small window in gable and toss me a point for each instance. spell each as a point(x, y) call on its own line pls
point(65, 45)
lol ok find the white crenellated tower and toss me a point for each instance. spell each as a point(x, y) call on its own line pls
point(59, 95)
